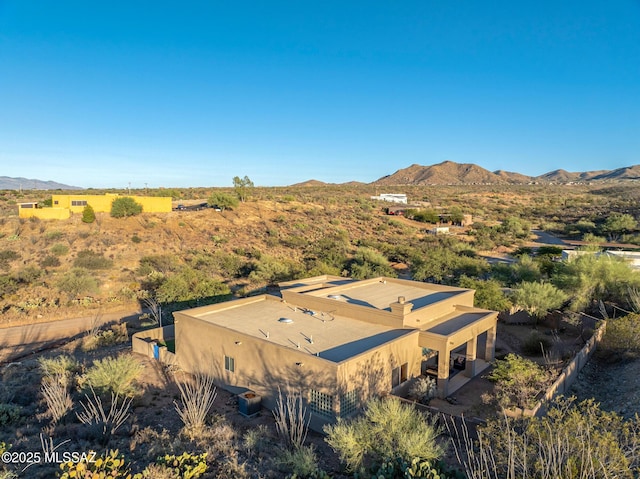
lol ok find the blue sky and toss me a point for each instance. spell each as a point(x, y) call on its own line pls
point(177, 94)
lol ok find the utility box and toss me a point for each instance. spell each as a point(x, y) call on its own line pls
point(249, 403)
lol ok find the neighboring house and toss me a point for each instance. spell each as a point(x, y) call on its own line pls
point(631, 257)
point(64, 205)
point(338, 341)
point(392, 197)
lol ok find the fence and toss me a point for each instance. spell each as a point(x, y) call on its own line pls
point(566, 378)
point(152, 343)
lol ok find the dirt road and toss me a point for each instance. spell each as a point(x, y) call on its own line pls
point(17, 341)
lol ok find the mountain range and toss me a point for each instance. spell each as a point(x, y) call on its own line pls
point(451, 173)
point(8, 183)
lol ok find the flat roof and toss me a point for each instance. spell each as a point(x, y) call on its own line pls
point(318, 333)
point(380, 294)
point(456, 322)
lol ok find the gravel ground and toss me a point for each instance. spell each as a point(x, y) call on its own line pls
point(615, 386)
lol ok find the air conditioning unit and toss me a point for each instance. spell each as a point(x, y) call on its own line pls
point(249, 403)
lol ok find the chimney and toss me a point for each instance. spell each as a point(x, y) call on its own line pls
point(401, 307)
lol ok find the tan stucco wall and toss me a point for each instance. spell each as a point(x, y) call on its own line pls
point(260, 365)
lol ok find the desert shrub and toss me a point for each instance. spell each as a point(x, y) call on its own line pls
point(536, 344)
point(59, 249)
point(53, 235)
point(292, 420)
point(77, 281)
point(88, 214)
point(50, 262)
point(518, 381)
point(273, 270)
point(621, 340)
point(8, 255)
point(388, 429)
point(55, 391)
point(424, 389)
point(60, 365)
point(102, 420)
point(538, 298)
point(222, 200)
point(302, 461)
point(192, 285)
point(489, 293)
point(163, 263)
point(8, 285)
point(124, 207)
point(254, 440)
point(196, 400)
point(10, 414)
point(91, 260)
point(369, 263)
point(570, 441)
point(136, 239)
point(28, 274)
point(117, 374)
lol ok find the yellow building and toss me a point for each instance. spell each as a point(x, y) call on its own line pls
point(339, 341)
point(64, 205)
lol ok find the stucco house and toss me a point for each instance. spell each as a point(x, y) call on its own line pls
point(338, 341)
point(63, 205)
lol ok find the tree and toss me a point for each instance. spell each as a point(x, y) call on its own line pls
point(88, 215)
point(388, 430)
point(538, 298)
point(518, 381)
point(489, 294)
point(369, 263)
point(125, 206)
point(222, 200)
point(618, 224)
point(242, 187)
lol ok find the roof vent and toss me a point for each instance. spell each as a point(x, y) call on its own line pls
point(285, 320)
point(334, 296)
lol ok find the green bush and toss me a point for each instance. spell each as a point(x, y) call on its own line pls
point(91, 260)
point(518, 381)
point(88, 214)
point(114, 374)
point(10, 414)
point(535, 344)
point(50, 262)
point(124, 207)
point(621, 340)
point(77, 281)
point(388, 429)
point(59, 249)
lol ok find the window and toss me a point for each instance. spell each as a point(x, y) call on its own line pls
point(348, 403)
point(321, 404)
point(229, 364)
point(78, 203)
point(399, 375)
point(55, 202)
point(26, 205)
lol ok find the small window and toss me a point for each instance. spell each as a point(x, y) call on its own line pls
point(55, 202)
point(78, 203)
point(399, 375)
point(321, 403)
point(229, 364)
point(349, 403)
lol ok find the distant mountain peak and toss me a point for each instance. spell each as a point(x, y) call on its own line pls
point(9, 183)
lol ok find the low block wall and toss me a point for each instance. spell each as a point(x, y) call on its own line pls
point(144, 342)
point(566, 378)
